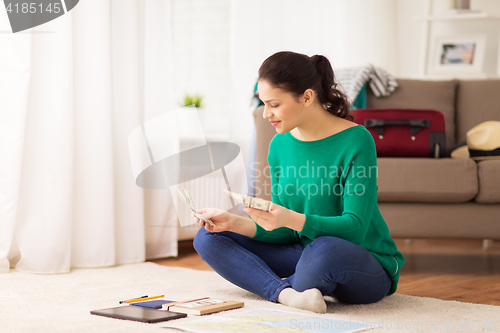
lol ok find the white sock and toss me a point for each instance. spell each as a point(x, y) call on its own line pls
point(310, 299)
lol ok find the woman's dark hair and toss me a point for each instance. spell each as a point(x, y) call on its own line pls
point(295, 73)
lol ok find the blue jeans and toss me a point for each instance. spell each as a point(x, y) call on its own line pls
point(336, 267)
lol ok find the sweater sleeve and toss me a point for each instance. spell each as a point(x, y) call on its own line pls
point(358, 196)
point(279, 235)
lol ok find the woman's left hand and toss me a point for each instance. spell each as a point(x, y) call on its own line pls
point(277, 217)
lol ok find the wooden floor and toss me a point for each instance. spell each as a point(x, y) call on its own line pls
point(459, 270)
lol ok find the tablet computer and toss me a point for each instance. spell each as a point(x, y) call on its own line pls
point(138, 314)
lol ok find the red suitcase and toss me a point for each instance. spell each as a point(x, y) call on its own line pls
point(404, 132)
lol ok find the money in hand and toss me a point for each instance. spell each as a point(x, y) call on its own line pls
point(185, 195)
point(251, 202)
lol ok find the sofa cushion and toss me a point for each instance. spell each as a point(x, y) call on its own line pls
point(441, 220)
point(420, 94)
point(426, 180)
point(477, 101)
point(488, 172)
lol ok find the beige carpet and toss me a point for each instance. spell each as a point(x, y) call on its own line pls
point(62, 303)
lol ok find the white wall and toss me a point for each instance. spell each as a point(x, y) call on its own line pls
point(410, 39)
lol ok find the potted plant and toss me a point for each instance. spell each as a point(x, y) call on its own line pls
point(194, 99)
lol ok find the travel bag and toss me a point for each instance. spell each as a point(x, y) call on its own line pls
point(404, 132)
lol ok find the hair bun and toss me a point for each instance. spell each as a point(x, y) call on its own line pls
point(318, 60)
point(323, 68)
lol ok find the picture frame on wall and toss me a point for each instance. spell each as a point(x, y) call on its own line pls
point(462, 54)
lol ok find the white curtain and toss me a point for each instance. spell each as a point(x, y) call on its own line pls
point(348, 32)
point(71, 91)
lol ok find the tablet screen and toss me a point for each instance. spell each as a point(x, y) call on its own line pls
point(138, 314)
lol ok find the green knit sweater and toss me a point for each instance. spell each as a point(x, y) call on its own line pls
point(333, 182)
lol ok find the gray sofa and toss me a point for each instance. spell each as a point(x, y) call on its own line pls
point(427, 197)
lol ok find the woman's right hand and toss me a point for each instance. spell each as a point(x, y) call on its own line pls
point(219, 217)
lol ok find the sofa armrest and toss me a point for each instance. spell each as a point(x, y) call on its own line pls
point(264, 134)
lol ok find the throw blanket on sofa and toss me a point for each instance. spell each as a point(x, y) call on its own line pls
point(353, 79)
